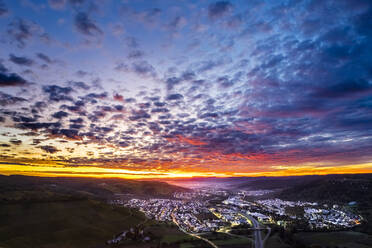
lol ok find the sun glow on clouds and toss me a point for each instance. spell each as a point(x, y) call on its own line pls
point(56, 170)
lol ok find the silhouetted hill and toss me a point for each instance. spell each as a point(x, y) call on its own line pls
point(332, 188)
point(25, 188)
point(272, 183)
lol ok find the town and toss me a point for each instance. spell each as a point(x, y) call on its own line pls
point(211, 210)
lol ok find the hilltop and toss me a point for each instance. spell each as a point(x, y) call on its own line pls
point(25, 188)
point(332, 188)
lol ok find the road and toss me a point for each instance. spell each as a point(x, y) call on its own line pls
point(193, 234)
point(258, 241)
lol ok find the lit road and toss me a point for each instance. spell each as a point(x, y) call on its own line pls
point(193, 234)
point(258, 241)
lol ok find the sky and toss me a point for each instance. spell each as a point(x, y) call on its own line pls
point(163, 88)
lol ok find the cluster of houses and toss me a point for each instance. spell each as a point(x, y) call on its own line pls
point(182, 213)
point(231, 216)
point(132, 233)
point(330, 218)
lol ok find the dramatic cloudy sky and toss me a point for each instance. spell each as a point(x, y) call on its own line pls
point(180, 88)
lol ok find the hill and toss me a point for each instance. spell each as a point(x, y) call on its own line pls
point(73, 213)
point(25, 188)
point(332, 188)
point(79, 223)
point(273, 183)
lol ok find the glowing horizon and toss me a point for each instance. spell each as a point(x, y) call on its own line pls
point(98, 172)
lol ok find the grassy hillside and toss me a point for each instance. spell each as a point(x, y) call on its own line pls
point(80, 223)
point(15, 188)
point(73, 213)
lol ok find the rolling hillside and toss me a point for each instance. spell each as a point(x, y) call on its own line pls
point(16, 188)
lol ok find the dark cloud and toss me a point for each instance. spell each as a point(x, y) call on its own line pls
point(15, 142)
point(139, 115)
point(86, 26)
point(60, 114)
point(174, 97)
point(23, 61)
point(22, 118)
point(219, 9)
point(49, 149)
point(38, 125)
point(6, 99)
point(143, 68)
point(78, 120)
point(72, 134)
point(346, 88)
point(159, 110)
point(11, 79)
point(45, 58)
point(209, 115)
point(57, 93)
point(3, 9)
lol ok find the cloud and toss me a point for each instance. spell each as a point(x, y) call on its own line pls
point(6, 99)
point(3, 9)
point(86, 26)
point(15, 142)
point(11, 80)
point(172, 97)
point(60, 114)
point(345, 89)
point(139, 115)
point(219, 9)
point(57, 93)
point(45, 58)
point(38, 125)
point(143, 68)
point(79, 85)
point(23, 61)
point(20, 31)
point(49, 149)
